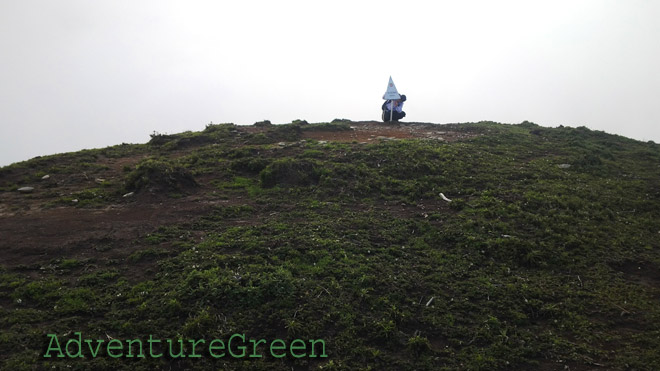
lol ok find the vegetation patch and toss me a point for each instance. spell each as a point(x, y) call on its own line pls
point(213, 133)
point(336, 125)
point(160, 176)
point(290, 172)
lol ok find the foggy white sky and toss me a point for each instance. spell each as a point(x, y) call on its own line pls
point(86, 74)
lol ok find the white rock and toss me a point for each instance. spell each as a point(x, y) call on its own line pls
point(26, 189)
point(129, 194)
point(45, 177)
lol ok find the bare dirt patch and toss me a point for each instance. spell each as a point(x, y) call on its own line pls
point(39, 237)
point(364, 132)
point(642, 272)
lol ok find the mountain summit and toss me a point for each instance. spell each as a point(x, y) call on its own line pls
point(335, 246)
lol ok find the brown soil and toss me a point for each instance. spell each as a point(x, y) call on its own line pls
point(364, 132)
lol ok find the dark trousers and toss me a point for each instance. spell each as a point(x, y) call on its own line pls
point(395, 117)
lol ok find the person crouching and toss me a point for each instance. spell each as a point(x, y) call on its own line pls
point(394, 109)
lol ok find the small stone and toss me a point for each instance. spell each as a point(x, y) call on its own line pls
point(129, 194)
point(26, 189)
point(323, 141)
point(99, 180)
point(281, 144)
point(75, 200)
point(45, 177)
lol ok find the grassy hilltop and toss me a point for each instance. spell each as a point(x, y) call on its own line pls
point(547, 257)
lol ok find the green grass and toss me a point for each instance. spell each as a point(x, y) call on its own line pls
point(531, 265)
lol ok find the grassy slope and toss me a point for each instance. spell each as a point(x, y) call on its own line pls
point(531, 266)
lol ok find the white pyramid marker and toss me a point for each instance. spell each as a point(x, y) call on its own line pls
point(391, 92)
